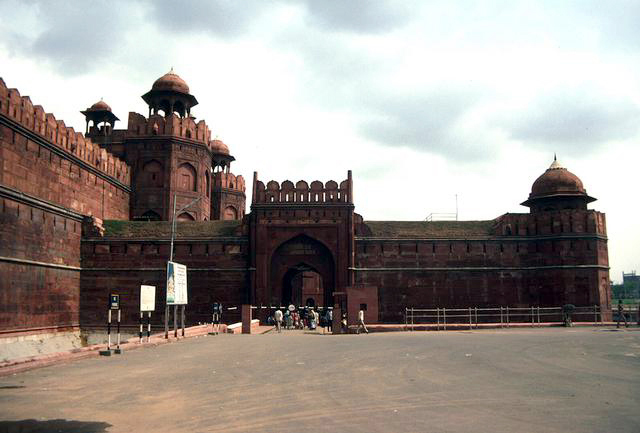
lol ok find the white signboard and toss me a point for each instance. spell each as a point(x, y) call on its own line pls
point(147, 298)
point(176, 284)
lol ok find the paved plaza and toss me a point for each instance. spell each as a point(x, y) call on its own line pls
point(533, 380)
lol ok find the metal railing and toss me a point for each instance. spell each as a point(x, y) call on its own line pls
point(504, 316)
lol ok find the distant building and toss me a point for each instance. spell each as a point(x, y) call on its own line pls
point(85, 215)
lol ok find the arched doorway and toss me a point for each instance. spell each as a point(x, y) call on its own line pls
point(302, 272)
point(302, 286)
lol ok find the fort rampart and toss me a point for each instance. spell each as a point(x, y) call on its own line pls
point(52, 178)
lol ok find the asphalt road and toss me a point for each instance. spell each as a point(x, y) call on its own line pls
point(538, 380)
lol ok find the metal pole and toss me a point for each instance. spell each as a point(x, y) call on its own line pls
point(175, 321)
point(183, 319)
point(412, 314)
point(149, 326)
point(140, 331)
point(469, 318)
point(438, 317)
point(109, 330)
point(501, 319)
point(444, 318)
point(507, 316)
point(539, 316)
point(476, 313)
point(118, 344)
point(173, 228)
point(532, 317)
point(595, 314)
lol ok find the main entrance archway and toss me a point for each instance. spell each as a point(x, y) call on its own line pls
point(302, 271)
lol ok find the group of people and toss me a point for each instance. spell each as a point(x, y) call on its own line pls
point(303, 318)
point(310, 318)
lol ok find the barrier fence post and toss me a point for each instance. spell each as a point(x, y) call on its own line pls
point(438, 318)
point(118, 351)
point(412, 314)
point(140, 330)
point(507, 316)
point(470, 318)
point(538, 316)
point(149, 326)
point(107, 352)
point(476, 314)
point(532, 317)
point(501, 319)
point(595, 314)
point(444, 318)
point(406, 324)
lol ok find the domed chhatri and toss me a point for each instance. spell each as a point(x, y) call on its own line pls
point(171, 82)
point(218, 146)
point(221, 158)
point(100, 105)
point(556, 189)
point(100, 114)
point(170, 94)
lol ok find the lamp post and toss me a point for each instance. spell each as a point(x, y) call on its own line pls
point(175, 307)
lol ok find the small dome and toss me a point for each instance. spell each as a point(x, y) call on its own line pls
point(218, 146)
point(170, 82)
point(557, 180)
point(100, 106)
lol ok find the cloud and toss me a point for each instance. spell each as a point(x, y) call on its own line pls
point(358, 16)
point(574, 122)
point(222, 18)
point(432, 122)
point(74, 40)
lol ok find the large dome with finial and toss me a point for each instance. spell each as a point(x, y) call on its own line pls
point(557, 188)
point(557, 180)
point(171, 82)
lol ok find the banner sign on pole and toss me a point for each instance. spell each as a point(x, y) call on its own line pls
point(176, 284)
point(147, 298)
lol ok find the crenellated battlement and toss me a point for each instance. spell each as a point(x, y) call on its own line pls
point(172, 125)
point(20, 109)
point(567, 221)
point(302, 192)
point(230, 181)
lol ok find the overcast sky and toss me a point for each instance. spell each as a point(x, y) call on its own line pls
point(422, 100)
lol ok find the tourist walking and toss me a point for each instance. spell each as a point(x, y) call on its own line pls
point(278, 316)
point(621, 315)
point(361, 322)
point(328, 320)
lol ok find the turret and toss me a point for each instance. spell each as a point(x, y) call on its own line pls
point(170, 94)
point(557, 189)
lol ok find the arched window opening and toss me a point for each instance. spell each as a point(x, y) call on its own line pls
point(184, 216)
point(230, 214)
point(152, 174)
point(187, 177)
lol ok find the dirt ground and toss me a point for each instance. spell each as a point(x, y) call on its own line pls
point(516, 380)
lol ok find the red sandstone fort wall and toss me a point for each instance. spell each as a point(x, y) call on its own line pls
point(541, 260)
point(216, 272)
point(51, 177)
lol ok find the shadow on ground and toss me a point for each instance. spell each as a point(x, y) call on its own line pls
point(52, 425)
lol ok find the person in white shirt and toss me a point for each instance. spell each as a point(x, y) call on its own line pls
point(278, 317)
point(361, 322)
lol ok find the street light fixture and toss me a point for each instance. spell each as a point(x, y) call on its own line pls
point(175, 307)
